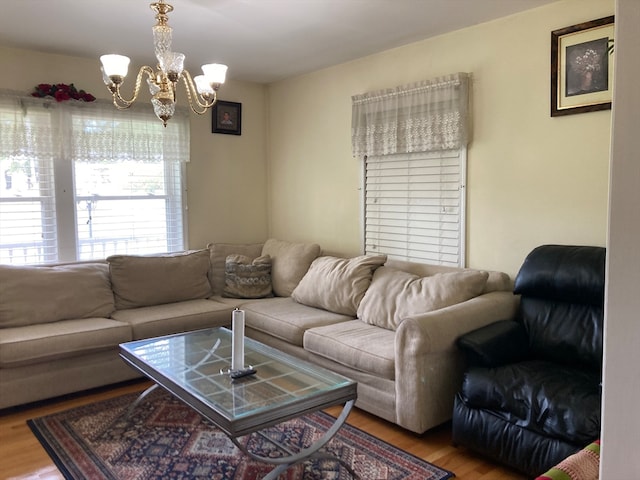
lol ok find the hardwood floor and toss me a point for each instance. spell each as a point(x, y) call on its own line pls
point(22, 456)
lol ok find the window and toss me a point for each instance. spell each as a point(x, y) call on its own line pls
point(414, 206)
point(85, 181)
point(413, 141)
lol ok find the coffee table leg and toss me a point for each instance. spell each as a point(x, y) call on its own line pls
point(139, 399)
point(283, 463)
point(273, 474)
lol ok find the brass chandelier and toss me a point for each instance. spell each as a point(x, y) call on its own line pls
point(162, 82)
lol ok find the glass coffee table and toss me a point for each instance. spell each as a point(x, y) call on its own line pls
point(192, 366)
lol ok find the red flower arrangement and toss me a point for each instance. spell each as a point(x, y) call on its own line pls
point(62, 92)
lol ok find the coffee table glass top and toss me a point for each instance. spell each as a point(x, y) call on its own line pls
point(192, 366)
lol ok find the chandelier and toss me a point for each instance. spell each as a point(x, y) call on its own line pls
point(162, 82)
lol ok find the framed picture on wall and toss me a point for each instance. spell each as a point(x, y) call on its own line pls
point(227, 118)
point(582, 67)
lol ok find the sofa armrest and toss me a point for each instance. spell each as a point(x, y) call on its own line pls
point(428, 364)
point(439, 330)
point(495, 344)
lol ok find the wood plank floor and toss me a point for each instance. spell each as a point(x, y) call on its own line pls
point(22, 456)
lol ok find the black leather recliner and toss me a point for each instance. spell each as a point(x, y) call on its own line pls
point(531, 396)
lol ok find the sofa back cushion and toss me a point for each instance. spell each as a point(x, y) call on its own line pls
point(218, 253)
point(395, 294)
point(141, 281)
point(33, 295)
point(337, 284)
point(497, 281)
point(564, 273)
point(289, 263)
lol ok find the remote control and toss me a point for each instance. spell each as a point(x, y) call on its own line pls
point(242, 373)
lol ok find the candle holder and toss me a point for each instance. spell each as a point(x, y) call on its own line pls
point(238, 369)
point(237, 343)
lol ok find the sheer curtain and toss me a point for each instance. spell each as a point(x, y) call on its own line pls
point(423, 117)
point(28, 151)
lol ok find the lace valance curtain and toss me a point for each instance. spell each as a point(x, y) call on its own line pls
point(423, 117)
point(42, 127)
point(20, 138)
point(135, 133)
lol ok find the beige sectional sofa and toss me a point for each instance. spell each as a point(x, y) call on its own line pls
point(389, 325)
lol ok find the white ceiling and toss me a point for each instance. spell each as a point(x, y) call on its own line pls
point(261, 40)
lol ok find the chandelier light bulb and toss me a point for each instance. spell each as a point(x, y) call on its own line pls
point(215, 73)
point(172, 63)
point(105, 77)
point(115, 65)
point(202, 85)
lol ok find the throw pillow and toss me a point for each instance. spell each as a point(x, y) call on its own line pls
point(245, 278)
point(141, 281)
point(72, 291)
point(218, 253)
point(289, 263)
point(337, 284)
point(396, 294)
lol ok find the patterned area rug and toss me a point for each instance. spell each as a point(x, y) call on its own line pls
point(165, 439)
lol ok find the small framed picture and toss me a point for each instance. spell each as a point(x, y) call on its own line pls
point(227, 118)
point(582, 67)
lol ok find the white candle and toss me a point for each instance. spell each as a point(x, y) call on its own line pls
point(237, 345)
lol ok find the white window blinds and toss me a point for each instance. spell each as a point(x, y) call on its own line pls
point(84, 181)
point(414, 206)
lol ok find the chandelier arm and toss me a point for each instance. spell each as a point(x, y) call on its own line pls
point(198, 104)
point(123, 103)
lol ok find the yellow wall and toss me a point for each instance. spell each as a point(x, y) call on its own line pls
point(532, 179)
point(226, 178)
point(227, 175)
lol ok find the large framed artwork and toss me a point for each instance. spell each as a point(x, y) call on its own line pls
point(227, 118)
point(582, 67)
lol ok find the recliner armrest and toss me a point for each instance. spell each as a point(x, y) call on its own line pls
point(495, 344)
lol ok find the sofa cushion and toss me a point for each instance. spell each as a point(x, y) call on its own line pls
point(284, 318)
point(553, 400)
point(246, 278)
point(290, 261)
point(355, 344)
point(497, 281)
point(141, 281)
point(337, 284)
point(157, 320)
point(33, 295)
point(218, 253)
point(395, 294)
point(47, 342)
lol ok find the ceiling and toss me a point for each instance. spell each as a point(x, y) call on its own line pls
point(261, 40)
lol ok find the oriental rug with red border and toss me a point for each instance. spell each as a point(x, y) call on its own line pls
point(165, 439)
